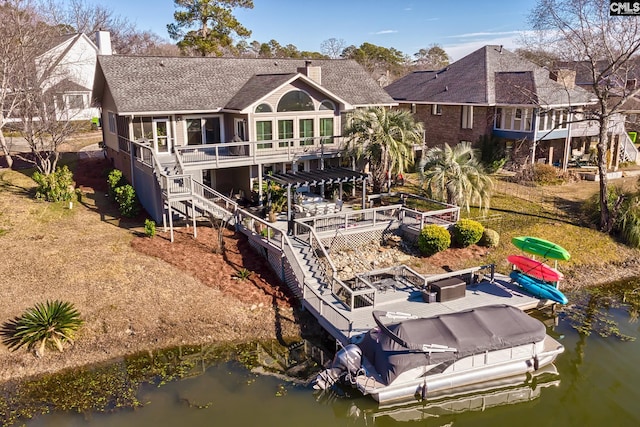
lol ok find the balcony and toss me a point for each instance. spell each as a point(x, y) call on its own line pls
point(255, 152)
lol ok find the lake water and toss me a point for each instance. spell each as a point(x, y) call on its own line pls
point(598, 384)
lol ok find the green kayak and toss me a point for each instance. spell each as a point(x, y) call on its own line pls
point(541, 247)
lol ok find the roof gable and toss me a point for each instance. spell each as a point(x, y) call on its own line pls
point(260, 86)
point(180, 84)
point(480, 78)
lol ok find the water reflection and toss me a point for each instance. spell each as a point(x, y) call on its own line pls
point(596, 385)
point(507, 391)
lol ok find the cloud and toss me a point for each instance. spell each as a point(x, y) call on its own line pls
point(408, 9)
point(484, 34)
point(385, 32)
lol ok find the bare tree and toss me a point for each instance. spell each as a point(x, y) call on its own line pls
point(604, 46)
point(33, 74)
point(333, 47)
point(18, 34)
point(77, 16)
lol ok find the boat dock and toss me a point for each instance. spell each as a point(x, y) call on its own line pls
point(409, 294)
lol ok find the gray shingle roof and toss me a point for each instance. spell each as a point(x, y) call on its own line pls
point(255, 88)
point(148, 84)
point(478, 78)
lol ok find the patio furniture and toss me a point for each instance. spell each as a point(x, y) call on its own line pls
point(449, 289)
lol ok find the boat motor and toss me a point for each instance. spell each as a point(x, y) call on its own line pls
point(347, 362)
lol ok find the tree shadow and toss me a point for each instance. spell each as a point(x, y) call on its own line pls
point(16, 189)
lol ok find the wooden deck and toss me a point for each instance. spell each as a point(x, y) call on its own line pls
point(408, 300)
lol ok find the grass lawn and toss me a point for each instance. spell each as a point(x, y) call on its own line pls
point(551, 213)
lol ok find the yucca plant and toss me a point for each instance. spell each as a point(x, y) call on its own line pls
point(45, 325)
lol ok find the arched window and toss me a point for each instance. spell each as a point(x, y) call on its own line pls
point(327, 105)
point(263, 108)
point(295, 100)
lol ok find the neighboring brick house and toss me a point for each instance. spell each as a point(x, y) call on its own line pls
point(226, 122)
point(494, 92)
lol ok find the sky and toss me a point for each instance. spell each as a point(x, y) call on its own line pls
point(459, 26)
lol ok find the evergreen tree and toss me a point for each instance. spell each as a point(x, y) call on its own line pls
point(214, 25)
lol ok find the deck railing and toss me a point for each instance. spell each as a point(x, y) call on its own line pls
point(351, 219)
point(313, 301)
point(285, 149)
point(259, 226)
point(470, 272)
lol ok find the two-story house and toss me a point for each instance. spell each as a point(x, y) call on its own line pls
point(226, 122)
point(494, 92)
point(64, 72)
point(67, 70)
point(624, 82)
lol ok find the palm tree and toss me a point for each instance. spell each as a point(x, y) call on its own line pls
point(384, 139)
point(455, 175)
point(50, 324)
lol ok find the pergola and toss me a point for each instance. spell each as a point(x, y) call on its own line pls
point(321, 177)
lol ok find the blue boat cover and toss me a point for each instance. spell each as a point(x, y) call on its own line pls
point(488, 328)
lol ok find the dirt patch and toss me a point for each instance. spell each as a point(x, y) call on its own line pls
point(216, 268)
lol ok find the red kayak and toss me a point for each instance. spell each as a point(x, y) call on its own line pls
point(535, 268)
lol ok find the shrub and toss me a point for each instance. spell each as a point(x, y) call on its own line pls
point(467, 232)
point(149, 227)
point(266, 232)
point(45, 325)
point(243, 274)
point(490, 238)
point(540, 174)
point(55, 187)
point(127, 201)
point(433, 239)
point(115, 179)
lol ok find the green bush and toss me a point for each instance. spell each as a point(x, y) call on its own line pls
point(433, 239)
point(127, 202)
point(149, 227)
point(490, 238)
point(55, 187)
point(467, 232)
point(266, 232)
point(115, 180)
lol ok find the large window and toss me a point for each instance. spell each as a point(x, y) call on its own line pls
point(285, 132)
point(306, 131)
point(204, 130)
point(142, 128)
point(513, 118)
point(326, 130)
point(295, 100)
point(553, 119)
point(264, 132)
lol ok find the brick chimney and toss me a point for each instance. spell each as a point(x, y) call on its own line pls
point(314, 72)
point(565, 76)
point(103, 41)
